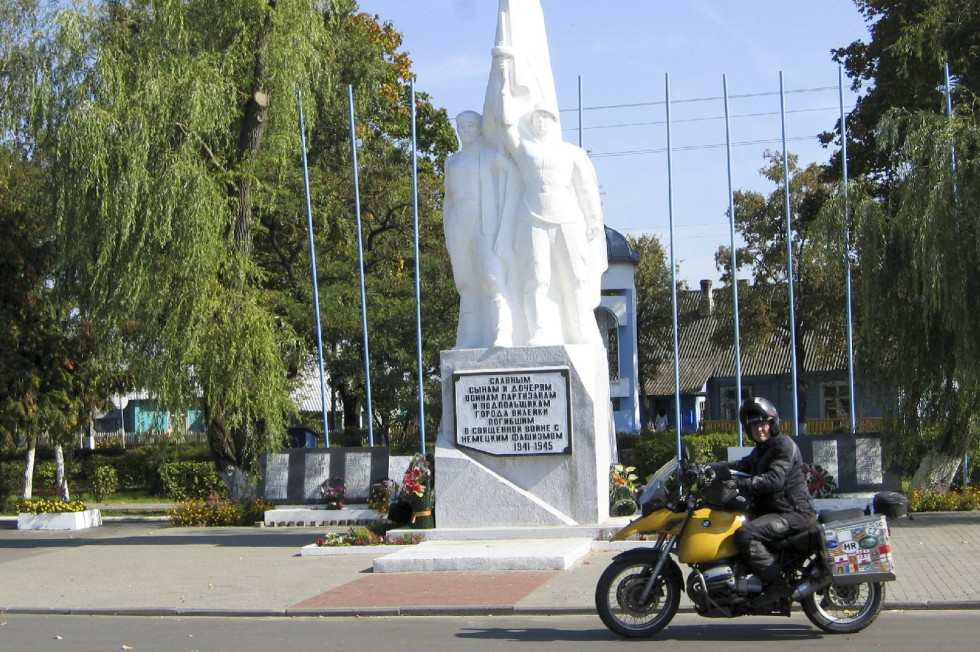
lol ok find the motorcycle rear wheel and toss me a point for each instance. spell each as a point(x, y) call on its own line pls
point(845, 609)
point(618, 597)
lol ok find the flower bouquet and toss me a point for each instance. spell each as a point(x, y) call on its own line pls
point(622, 490)
point(334, 493)
point(418, 490)
point(380, 495)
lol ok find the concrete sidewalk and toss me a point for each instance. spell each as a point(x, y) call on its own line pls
point(150, 568)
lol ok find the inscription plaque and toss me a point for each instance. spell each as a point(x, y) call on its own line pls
point(357, 474)
point(514, 412)
point(276, 476)
point(316, 472)
point(868, 460)
point(825, 456)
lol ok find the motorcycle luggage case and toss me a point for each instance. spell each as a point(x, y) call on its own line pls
point(891, 503)
point(859, 550)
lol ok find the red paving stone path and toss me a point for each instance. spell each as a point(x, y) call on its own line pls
point(432, 589)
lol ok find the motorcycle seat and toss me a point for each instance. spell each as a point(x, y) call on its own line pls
point(832, 515)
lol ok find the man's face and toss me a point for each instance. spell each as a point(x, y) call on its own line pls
point(468, 130)
point(760, 432)
point(542, 122)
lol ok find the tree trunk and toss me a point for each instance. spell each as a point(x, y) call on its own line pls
point(60, 475)
point(227, 444)
point(937, 469)
point(29, 469)
point(250, 136)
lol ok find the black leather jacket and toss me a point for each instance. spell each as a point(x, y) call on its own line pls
point(778, 483)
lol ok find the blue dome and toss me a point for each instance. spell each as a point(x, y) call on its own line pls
point(618, 249)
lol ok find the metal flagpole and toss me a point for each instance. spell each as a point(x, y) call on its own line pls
point(948, 89)
point(581, 110)
point(731, 222)
point(673, 275)
point(316, 289)
point(360, 259)
point(789, 263)
point(418, 273)
point(852, 394)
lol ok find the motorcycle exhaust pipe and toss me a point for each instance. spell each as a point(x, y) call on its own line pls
point(808, 587)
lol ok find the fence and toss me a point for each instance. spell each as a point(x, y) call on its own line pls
point(127, 439)
point(813, 426)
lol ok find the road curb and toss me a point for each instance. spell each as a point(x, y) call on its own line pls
point(386, 612)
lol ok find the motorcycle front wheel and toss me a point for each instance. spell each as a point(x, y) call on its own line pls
point(845, 609)
point(620, 602)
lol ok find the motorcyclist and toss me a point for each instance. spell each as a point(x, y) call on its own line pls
point(777, 487)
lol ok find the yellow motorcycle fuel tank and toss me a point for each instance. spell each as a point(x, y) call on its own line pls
point(658, 522)
point(709, 536)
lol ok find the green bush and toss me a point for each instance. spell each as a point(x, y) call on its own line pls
point(653, 450)
point(103, 483)
point(215, 512)
point(45, 474)
point(11, 483)
point(191, 480)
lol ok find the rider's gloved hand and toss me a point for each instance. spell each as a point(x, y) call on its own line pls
point(720, 470)
point(744, 486)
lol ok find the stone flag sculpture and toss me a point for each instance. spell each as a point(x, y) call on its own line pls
point(523, 218)
point(526, 436)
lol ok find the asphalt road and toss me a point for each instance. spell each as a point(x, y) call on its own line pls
point(894, 631)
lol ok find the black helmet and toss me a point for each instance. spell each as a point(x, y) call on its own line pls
point(756, 409)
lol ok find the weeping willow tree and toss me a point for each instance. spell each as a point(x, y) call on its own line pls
point(159, 122)
point(920, 276)
point(168, 130)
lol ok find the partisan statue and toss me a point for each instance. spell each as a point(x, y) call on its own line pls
point(523, 217)
point(478, 215)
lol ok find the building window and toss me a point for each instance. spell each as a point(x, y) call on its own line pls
point(835, 400)
point(729, 401)
point(609, 329)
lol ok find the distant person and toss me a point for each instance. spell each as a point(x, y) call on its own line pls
point(482, 189)
point(660, 423)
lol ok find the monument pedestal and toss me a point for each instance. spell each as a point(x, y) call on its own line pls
point(526, 437)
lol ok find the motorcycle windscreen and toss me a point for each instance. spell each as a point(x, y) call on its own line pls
point(709, 536)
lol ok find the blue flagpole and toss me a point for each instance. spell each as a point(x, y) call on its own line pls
point(789, 262)
point(316, 289)
point(418, 273)
point(852, 394)
point(948, 89)
point(360, 258)
point(673, 275)
point(731, 222)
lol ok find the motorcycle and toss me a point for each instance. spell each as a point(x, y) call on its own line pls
point(837, 569)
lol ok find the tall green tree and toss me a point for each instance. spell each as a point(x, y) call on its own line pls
point(171, 128)
point(901, 66)
point(920, 279)
point(818, 260)
point(917, 237)
point(366, 55)
point(654, 320)
point(51, 372)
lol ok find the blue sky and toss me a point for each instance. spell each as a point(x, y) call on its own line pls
point(623, 50)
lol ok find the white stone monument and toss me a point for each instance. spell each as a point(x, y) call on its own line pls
point(526, 437)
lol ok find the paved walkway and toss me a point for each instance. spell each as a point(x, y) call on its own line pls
point(151, 568)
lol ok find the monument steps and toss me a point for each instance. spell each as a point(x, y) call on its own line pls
point(313, 516)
